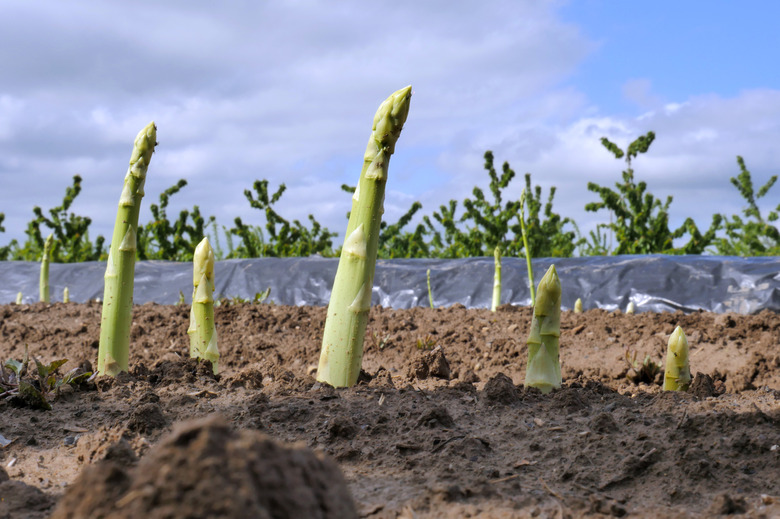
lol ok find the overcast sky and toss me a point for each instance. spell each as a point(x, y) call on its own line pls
point(286, 91)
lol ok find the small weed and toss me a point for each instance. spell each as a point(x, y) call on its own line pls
point(40, 388)
point(645, 371)
point(426, 344)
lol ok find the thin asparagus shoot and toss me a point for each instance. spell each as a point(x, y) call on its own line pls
point(578, 306)
point(677, 376)
point(430, 292)
point(43, 286)
point(496, 280)
point(526, 250)
point(113, 352)
point(350, 300)
point(65, 295)
point(202, 330)
point(18, 298)
point(630, 309)
point(544, 367)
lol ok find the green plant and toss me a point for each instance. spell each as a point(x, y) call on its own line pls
point(173, 241)
point(426, 343)
point(755, 235)
point(113, 351)
point(350, 300)
point(645, 371)
point(285, 238)
point(71, 237)
point(544, 365)
point(641, 223)
point(42, 387)
point(428, 282)
point(526, 249)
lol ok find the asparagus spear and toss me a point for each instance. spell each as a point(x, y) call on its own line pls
point(430, 293)
point(65, 295)
point(43, 285)
point(113, 354)
point(630, 309)
point(526, 250)
point(496, 280)
point(678, 373)
point(202, 331)
point(578, 306)
point(350, 300)
point(544, 368)
point(19, 298)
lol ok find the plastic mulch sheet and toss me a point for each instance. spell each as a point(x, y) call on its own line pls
point(654, 283)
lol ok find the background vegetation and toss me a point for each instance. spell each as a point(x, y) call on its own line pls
point(638, 224)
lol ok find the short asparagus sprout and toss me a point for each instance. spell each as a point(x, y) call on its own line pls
point(630, 309)
point(578, 306)
point(526, 250)
point(430, 292)
point(544, 367)
point(117, 315)
point(65, 295)
point(350, 300)
point(678, 373)
point(19, 298)
point(496, 280)
point(202, 330)
point(44, 281)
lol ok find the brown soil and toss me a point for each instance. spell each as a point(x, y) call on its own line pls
point(439, 426)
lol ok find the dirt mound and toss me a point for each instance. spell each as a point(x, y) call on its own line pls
point(205, 469)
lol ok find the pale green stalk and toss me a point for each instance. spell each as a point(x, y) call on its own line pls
point(430, 292)
point(65, 295)
point(19, 298)
point(43, 285)
point(525, 248)
point(496, 279)
point(202, 330)
point(544, 366)
point(350, 300)
point(578, 306)
point(113, 353)
point(678, 373)
point(630, 309)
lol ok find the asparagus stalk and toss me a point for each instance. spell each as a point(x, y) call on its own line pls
point(544, 368)
point(113, 353)
point(43, 285)
point(430, 292)
point(350, 300)
point(578, 306)
point(65, 295)
point(202, 331)
point(18, 298)
point(678, 373)
point(496, 280)
point(630, 309)
point(525, 248)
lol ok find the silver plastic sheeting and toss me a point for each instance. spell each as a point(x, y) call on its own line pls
point(655, 283)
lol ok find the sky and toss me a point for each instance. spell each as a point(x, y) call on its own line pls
point(286, 91)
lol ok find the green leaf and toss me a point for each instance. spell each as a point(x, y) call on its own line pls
point(32, 397)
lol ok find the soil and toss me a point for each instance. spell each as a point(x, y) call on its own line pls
point(438, 426)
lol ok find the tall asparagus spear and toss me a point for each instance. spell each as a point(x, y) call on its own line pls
point(202, 331)
point(350, 300)
point(544, 367)
point(496, 279)
point(678, 373)
point(526, 250)
point(43, 285)
point(113, 353)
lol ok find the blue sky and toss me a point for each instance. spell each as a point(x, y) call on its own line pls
point(286, 91)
